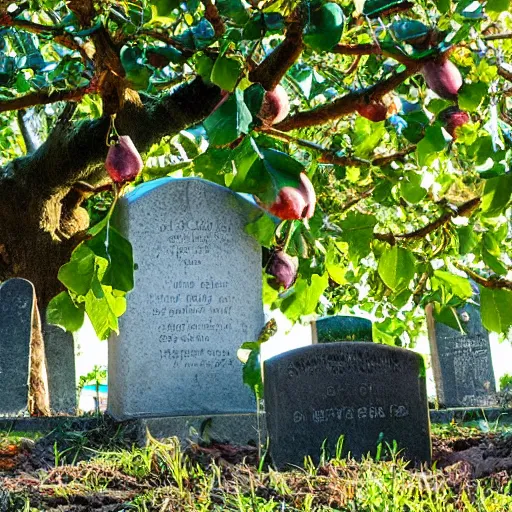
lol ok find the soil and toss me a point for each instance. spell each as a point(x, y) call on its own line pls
point(463, 461)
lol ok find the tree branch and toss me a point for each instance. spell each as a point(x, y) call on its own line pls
point(43, 98)
point(77, 152)
point(213, 16)
point(348, 103)
point(495, 37)
point(493, 281)
point(371, 49)
point(464, 210)
point(272, 69)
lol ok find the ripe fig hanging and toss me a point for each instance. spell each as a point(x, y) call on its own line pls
point(123, 162)
point(295, 203)
point(275, 106)
point(373, 111)
point(453, 117)
point(443, 77)
point(283, 268)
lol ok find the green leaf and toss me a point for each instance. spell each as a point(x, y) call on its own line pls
point(367, 136)
point(357, 231)
point(103, 309)
point(62, 311)
point(407, 29)
point(397, 267)
point(471, 95)
point(467, 239)
point(496, 309)
point(459, 286)
point(77, 275)
point(304, 299)
point(430, 145)
point(233, 9)
point(491, 254)
point(271, 171)
point(251, 372)
point(229, 121)
point(497, 195)
point(497, 5)
point(262, 229)
point(110, 245)
point(225, 73)
point(411, 189)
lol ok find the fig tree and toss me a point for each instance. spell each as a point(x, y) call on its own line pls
point(275, 106)
point(443, 77)
point(295, 203)
point(123, 161)
point(325, 27)
point(283, 268)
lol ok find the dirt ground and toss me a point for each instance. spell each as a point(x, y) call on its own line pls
point(27, 469)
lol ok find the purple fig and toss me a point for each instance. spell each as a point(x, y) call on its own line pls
point(275, 106)
point(453, 117)
point(284, 269)
point(295, 203)
point(443, 77)
point(123, 161)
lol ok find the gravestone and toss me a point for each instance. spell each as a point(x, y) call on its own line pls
point(197, 298)
point(60, 364)
point(367, 392)
point(16, 308)
point(341, 328)
point(461, 362)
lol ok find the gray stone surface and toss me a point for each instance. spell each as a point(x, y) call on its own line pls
point(16, 307)
point(239, 429)
point(366, 392)
point(197, 298)
point(60, 365)
point(462, 363)
point(341, 328)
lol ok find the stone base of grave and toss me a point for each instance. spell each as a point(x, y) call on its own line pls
point(237, 429)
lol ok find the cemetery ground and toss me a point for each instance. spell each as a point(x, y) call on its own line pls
point(101, 468)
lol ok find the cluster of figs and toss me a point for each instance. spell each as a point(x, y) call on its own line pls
point(441, 76)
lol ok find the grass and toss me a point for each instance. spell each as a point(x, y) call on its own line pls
point(162, 477)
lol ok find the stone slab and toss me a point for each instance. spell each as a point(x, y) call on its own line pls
point(364, 391)
point(341, 328)
point(16, 308)
point(60, 364)
point(461, 362)
point(237, 429)
point(197, 298)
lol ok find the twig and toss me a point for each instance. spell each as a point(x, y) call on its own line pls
point(493, 281)
point(371, 49)
point(213, 16)
point(495, 37)
point(464, 210)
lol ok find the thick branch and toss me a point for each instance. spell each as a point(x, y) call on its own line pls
point(213, 16)
point(464, 210)
point(272, 69)
point(488, 282)
point(43, 98)
point(71, 154)
point(346, 104)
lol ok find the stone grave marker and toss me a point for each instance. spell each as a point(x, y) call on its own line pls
point(16, 308)
point(197, 298)
point(341, 328)
point(461, 362)
point(364, 391)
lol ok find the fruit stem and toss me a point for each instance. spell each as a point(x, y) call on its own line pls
point(112, 133)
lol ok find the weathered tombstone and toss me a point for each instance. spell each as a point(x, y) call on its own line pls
point(197, 297)
point(367, 392)
point(341, 328)
point(461, 362)
point(60, 363)
point(16, 308)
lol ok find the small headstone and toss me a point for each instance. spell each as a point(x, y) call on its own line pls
point(197, 298)
point(60, 364)
point(461, 362)
point(367, 392)
point(341, 328)
point(16, 307)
